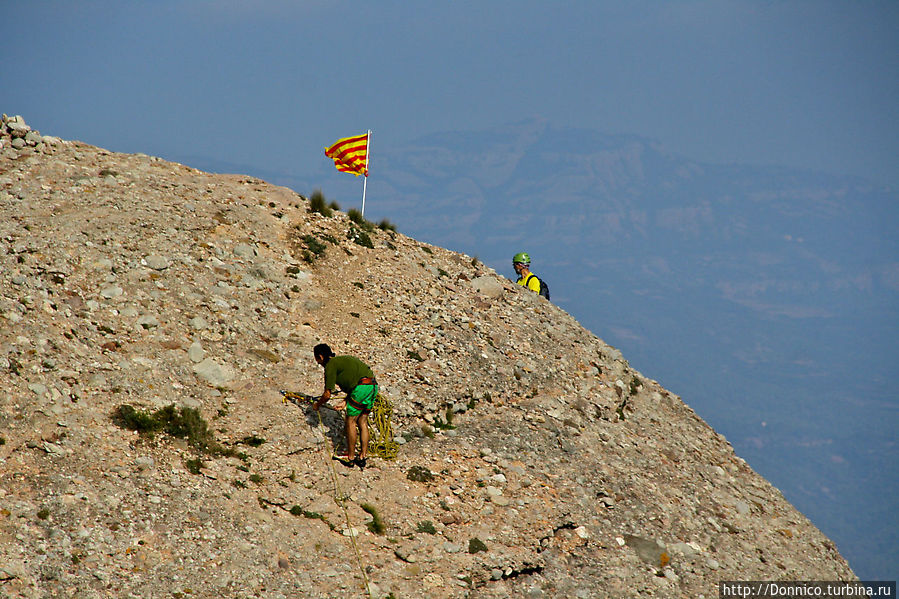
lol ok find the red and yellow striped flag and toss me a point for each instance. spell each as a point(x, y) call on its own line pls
point(350, 154)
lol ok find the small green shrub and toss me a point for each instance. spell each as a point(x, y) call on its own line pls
point(636, 383)
point(186, 423)
point(194, 465)
point(386, 225)
point(298, 511)
point(448, 425)
point(475, 544)
point(318, 203)
point(419, 474)
point(182, 422)
point(256, 478)
point(376, 525)
point(414, 355)
point(426, 526)
point(360, 238)
point(128, 417)
point(355, 216)
point(43, 513)
point(252, 441)
point(314, 248)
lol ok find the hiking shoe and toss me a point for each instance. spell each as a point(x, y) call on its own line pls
point(344, 460)
point(361, 462)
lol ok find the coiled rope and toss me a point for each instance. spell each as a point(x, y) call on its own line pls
point(383, 444)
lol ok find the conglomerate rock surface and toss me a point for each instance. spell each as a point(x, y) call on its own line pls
point(534, 461)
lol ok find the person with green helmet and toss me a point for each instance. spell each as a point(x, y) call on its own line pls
point(521, 262)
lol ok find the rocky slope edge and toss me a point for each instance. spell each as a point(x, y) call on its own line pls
point(534, 461)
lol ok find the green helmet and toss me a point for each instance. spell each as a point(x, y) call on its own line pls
point(521, 258)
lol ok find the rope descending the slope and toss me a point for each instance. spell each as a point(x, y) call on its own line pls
point(302, 400)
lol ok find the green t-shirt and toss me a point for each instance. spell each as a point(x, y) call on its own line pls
point(345, 372)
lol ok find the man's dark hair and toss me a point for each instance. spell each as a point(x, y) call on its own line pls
point(324, 350)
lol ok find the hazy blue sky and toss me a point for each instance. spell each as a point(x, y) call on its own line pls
point(270, 83)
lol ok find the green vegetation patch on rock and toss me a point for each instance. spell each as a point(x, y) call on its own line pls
point(182, 422)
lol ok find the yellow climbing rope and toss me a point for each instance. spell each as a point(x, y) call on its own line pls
point(382, 443)
point(340, 499)
point(302, 399)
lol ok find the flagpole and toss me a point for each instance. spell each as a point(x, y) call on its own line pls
point(365, 174)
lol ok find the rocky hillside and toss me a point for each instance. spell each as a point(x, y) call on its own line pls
point(532, 461)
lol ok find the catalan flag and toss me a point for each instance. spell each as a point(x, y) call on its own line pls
point(350, 154)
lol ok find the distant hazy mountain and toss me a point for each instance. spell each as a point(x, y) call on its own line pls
point(767, 297)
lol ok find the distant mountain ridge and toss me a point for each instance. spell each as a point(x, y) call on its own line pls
point(784, 283)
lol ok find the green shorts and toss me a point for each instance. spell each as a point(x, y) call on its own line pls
point(363, 396)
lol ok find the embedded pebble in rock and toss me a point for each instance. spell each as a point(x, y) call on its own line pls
point(214, 372)
point(112, 291)
point(244, 251)
point(196, 353)
point(156, 262)
point(488, 286)
point(533, 460)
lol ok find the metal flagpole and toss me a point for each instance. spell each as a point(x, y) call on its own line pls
point(365, 175)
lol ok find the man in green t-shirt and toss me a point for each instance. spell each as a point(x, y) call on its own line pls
point(357, 380)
